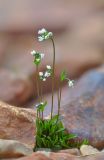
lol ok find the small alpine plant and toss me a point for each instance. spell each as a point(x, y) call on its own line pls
point(50, 133)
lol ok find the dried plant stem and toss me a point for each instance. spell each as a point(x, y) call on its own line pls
point(53, 76)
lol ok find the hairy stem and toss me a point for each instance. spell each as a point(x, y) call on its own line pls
point(53, 76)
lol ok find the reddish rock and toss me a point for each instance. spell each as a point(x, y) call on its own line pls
point(52, 156)
point(83, 110)
point(13, 149)
point(13, 89)
point(17, 124)
point(73, 151)
point(36, 156)
point(52, 14)
point(4, 41)
point(78, 48)
point(63, 156)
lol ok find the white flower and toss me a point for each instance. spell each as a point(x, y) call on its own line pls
point(44, 34)
point(37, 105)
point(50, 34)
point(70, 83)
point(42, 55)
point(48, 67)
point(33, 53)
point(40, 73)
point(44, 79)
point(37, 53)
point(47, 74)
point(40, 39)
point(42, 31)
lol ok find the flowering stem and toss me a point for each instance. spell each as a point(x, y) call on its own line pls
point(37, 80)
point(37, 83)
point(53, 75)
point(41, 96)
point(59, 99)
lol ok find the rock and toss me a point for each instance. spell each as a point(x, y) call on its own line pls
point(83, 110)
point(51, 156)
point(81, 32)
point(82, 49)
point(18, 63)
point(13, 149)
point(31, 15)
point(36, 156)
point(63, 156)
point(90, 30)
point(17, 124)
point(13, 89)
point(88, 150)
point(73, 151)
point(82, 45)
point(4, 41)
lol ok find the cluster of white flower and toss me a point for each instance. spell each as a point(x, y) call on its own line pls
point(38, 56)
point(44, 35)
point(46, 74)
point(70, 83)
point(34, 53)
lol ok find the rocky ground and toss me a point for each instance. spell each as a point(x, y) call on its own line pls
point(78, 27)
point(82, 114)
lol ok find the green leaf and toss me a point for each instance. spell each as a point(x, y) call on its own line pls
point(60, 125)
point(41, 106)
point(52, 134)
point(71, 136)
point(63, 75)
point(54, 119)
point(38, 141)
point(60, 130)
point(37, 58)
point(85, 142)
point(58, 147)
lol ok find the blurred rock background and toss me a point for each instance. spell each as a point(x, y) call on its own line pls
point(78, 26)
